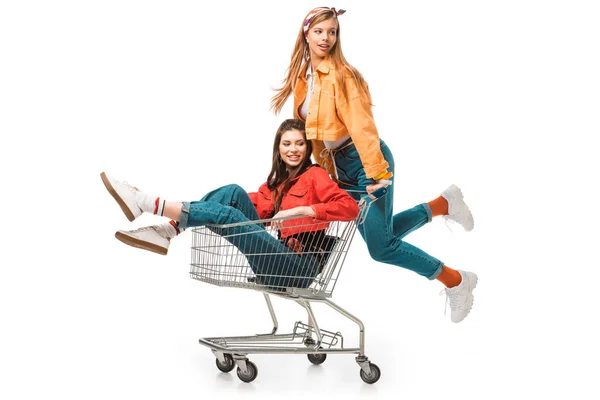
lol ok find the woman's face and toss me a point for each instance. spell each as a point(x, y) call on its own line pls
point(321, 38)
point(292, 148)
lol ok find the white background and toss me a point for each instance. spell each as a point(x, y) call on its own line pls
point(501, 98)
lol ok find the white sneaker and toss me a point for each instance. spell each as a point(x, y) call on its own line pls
point(457, 208)
point(154, 238)
point(460, 298)
point(125, 195)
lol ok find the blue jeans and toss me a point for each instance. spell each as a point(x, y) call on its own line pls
point(275, 265)
point(382, 230)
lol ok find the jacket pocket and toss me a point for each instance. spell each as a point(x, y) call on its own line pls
point(298, 191)
point(266, 194)
point(328, 122)
point(350, 153)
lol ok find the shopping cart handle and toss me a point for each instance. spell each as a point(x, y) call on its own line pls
point(379, 193)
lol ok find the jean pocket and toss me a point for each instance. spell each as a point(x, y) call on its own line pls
point(350, 153)
point(345, 178)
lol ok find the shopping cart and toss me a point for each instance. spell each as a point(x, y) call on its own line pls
point(217, 259)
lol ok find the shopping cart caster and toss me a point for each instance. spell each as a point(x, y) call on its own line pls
point(373, 376)
point(317, 359)
point(227, 365)
point(250, 374)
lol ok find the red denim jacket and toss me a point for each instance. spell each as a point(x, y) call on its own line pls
point(313, 188)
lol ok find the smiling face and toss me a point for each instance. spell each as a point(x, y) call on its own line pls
point(292, 148)
point(321, 38)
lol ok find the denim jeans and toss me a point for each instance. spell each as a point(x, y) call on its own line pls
point(275, 265)
point(382, 230)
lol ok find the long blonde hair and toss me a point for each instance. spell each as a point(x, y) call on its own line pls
point(301, 56)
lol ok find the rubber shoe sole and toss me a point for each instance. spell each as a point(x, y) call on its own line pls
point(140, 244)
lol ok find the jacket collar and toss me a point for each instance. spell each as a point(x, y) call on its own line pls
point(302, 174)
point(324, 67)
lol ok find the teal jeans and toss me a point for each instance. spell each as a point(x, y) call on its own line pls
point(273, 263)
point(383, 231)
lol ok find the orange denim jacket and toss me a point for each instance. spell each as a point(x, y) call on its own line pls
point(331, 117)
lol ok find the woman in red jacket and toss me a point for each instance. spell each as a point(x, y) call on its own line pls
point(294, 187)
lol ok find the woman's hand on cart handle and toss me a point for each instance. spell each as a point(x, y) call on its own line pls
point(374, 187)
point(292, 212)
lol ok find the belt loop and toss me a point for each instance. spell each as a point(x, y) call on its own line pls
point(344, 145)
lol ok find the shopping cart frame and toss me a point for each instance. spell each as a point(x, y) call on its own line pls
point(306, 338)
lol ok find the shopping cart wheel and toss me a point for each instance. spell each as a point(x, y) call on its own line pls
point(373, 376)
point(226, 366)
point(251, 373)
point(317, 359)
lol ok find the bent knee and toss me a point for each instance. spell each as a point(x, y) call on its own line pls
point(234, 187)
point(379, 251)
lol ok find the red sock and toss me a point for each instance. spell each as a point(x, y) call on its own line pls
point(438, 206)
point(449, 277)
point(175, 225)
point(159, 206)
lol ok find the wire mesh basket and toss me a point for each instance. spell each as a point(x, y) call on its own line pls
point(305, 257)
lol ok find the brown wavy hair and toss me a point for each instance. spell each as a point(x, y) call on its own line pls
point(281, 177)
point(301, 56)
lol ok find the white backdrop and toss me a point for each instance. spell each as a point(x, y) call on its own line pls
point(501, 98)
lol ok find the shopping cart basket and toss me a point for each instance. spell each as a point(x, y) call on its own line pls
point(304, 268)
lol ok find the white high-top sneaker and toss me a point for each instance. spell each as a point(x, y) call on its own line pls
point(458, 211)
point(154, 238)
point(131, 200)
point(460, 298)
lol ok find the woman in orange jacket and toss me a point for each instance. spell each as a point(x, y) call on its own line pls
point(295, 187)
point(334, 100)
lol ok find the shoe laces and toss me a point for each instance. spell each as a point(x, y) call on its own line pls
point(452, 300)
point(145, 228)
point(129, 187)
point(160, 230)
point(451, 220)
point(447, 302)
